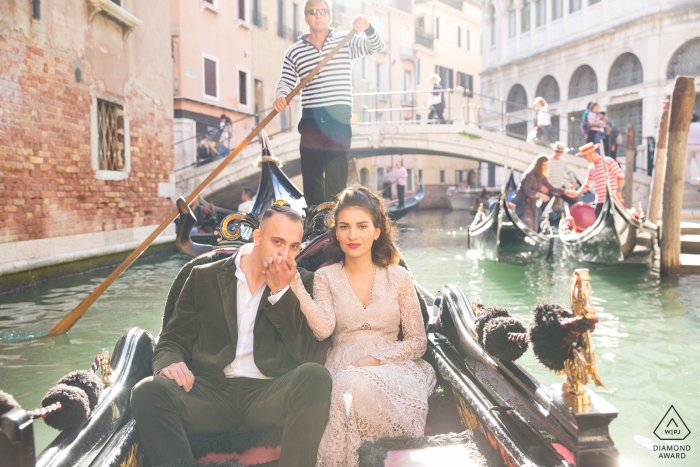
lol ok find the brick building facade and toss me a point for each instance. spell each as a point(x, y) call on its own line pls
point(86, 128)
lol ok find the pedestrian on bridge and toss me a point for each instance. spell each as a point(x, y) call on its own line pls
point(437, 100)
point(326, 100)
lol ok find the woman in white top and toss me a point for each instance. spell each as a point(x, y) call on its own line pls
point(544, 121)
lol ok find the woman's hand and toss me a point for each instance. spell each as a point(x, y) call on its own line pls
point(367, 361)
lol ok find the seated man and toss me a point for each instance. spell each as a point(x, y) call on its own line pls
point(596, 175)
point(235, 356)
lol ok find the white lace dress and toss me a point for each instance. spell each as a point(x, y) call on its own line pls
point(387, 400)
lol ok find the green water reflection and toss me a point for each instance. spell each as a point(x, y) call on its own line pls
point(647, 342)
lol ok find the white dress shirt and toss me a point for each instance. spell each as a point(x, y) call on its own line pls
point(694, 134)
point(544, 118)
point(247, 303)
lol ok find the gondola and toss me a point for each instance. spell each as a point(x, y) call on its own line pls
point(501, 236)
point(484, 410)
point(397, 213)
point(614, 237)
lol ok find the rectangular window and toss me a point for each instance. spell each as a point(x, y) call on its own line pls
point(593, 2)
point(110, 132)
point(280, 19)
point(541, 12)
point(257, 16)
point(380, 179)
point(363, 67)
point(446, 76)
point(420, 24)
point(409, 179)
point(459, 36)
point(211, 77)
point(378, 23)
point(420, 175)
point(467, 41)
point(437, 28)
point(418, 71)
point(459, 177)
point(242, 87)
point(381, 78)
point(241, 10)
point(525, 17)
point(574, 5)
point(295, 22)
point(442, 176)
point(406, 80)
point(557, 9)
point(511, 22)
point(466, 81)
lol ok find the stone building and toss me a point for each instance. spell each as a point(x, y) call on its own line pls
point(212, 63)
point(86, 129)
point(623, 54)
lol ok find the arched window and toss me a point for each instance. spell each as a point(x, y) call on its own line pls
point(583, 82)
point(686, 60)
point(516, 126)
point(626, 71)
point(511, 19)
point(549, 89)
point(517, 99)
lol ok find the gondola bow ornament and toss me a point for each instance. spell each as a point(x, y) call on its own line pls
point(580, 365)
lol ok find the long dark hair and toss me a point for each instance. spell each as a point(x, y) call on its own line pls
point(384, 251)
point(537, 165)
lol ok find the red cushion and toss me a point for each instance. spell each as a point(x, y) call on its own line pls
point(584, 216)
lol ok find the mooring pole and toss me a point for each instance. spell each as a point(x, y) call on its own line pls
point(657, 176)
point(680, 112)
point(630, 157)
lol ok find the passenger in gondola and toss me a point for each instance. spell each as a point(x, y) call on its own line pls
point(364, 299)
point(596, 175)
point(560, 177)
point(530, 190)
point(235, 355)
point(247, 200)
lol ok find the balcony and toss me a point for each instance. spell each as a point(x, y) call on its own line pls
point(424, 39)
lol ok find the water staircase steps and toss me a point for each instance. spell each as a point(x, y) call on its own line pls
point(690, 247)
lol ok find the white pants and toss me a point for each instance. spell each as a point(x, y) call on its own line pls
point(693, 154)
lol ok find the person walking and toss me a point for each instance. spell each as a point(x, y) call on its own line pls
point(437, 100)
point(401, 176)
point(225, 129)
point(596, 127)
point(326, 100)
point(544, 121)
point(693, 151)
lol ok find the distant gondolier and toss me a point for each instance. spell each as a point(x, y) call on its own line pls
point(596, 175)
point(327, 100)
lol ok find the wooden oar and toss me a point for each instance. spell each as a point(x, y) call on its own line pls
point(72, 317)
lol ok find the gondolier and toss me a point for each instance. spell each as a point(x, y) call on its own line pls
point(596, 175)
point(327, 100)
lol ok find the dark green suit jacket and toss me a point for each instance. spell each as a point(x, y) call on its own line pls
point(203, 331)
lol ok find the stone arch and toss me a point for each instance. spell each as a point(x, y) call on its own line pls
point(548, 89)
point(626, 71)
point(583, 82)
point(685, 60)
point(517, 98)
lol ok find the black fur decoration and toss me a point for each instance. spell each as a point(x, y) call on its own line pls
point(7, 403)
point(548, 336)
point(229, 441)
point(483, 316)
point(75, 407)
point(504, 338)
point(87, 381)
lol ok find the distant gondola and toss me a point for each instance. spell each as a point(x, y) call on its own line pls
point(615, 236)
point(397, 213)
point(501, 236)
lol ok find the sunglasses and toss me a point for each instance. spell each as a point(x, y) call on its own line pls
point(317, 11)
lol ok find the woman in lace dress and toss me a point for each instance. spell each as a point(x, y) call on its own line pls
point(363, 298)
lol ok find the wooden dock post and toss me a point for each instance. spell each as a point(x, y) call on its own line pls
point(680, 112)
point(657, 177)
point(630, 158)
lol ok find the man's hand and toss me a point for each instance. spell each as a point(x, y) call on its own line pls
point(571, 194)
point(279, 271)
point(367, 361)
point(543, 197)
point(179, 373)
point(360, 24)
point(280, 104)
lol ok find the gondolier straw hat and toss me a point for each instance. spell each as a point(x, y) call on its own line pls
point(587, 148)
point(559, 146)
point(434, 75)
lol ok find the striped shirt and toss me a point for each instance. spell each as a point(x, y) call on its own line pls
point(597, 176)
point(332, 86)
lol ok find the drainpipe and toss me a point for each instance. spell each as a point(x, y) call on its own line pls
point(36, 19)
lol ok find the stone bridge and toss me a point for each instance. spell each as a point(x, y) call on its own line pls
point(452, 140)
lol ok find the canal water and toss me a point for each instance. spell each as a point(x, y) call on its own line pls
point(648, 339)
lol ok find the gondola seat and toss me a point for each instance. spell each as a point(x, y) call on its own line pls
point(262, 446)
point(583, 216)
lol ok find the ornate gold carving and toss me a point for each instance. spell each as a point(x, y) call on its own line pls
point(233, 234)
point(106, 368)
point(580, 365)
